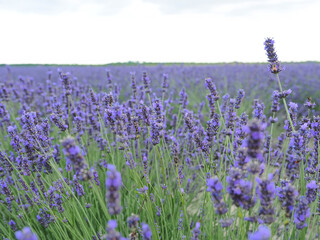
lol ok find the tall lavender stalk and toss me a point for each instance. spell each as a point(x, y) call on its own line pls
point(113, 185)
point(275, 67)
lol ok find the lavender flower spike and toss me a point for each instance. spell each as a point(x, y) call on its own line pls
point(146, 232)
point(263, 233)
point(196, 232)
point(73, 155)
point(266, 191)
point(112, 234)
point(301, 213)
point(240, 96)
point(274, 64)
point(26, 234)
point(215, 187)
point(312, 191)
point(113, 185)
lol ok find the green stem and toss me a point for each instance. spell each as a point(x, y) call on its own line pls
point(285, 104)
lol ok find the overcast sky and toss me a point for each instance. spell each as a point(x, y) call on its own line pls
point(105, 31)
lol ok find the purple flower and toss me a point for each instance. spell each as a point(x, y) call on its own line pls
point(212, 88)
point(225, 100)
point(96, 177)
point(240, 190)
point(241, 159)
point(59, 122)
point(183, 101)
point(113, 185)
point(231, 116)
point(13, 225)
point(226, 222)
point(285, 93)
point(44, 218)
point(146, 82)
point(275, 102)
point(274, 64)
point(78, 186)
point(266, 192)
point(133, 221)
point(215, 188)
point(240, 96)
point(213, 126)
point(301, 213)
point(312, 191)
point(287, 195)
point(26, 234)
point(258, 108)
point(142, 190)
point(263, 233)
point(309, 104)
point(58, 200)
point(73, 155)
point(254, 140)
point(196, 232)
point(165, 84)
point(146, 232)
point(112, 234)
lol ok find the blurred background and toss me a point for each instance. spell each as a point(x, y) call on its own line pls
point(105, 31)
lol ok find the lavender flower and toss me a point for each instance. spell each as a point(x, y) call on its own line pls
point(112, 234)
point(312, 188)
point(258, 108)
point(59, 122)
point(113, 185)
point(73, 155)
point(254, 140)
point(212, 88)
point(266, 192)
point(275, 101)
point(183, 101)
point(213, 126)
point(240, 96)
point(146, 82)
point(26, 234)
point(13, 225)
point(146, 232)
point(284, 93)
point(226, 222)
point(196, 232)
point(78, 186)
point(142, 190)
point(301, 213)
point(240, 190)
point(287, 195)
point(58, 200)
point(274, 64)
point(230, 116)
point(165, 84)
point(263, 233)
point(44, 218)
point(309, 104)
point(215, 188)
point(133, 222)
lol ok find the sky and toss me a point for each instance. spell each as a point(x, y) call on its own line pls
point(108, 31)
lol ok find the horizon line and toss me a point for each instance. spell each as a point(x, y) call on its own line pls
point(133, 63)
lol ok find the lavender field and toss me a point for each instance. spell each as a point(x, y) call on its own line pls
point(182, 151)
